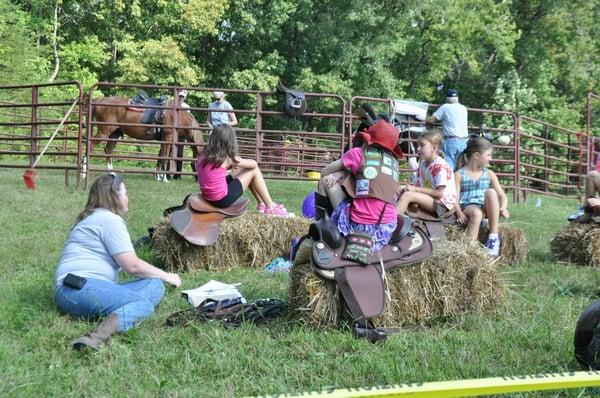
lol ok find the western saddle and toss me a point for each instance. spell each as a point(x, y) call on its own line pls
point(199, 222)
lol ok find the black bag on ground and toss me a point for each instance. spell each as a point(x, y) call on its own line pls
point(231, 313)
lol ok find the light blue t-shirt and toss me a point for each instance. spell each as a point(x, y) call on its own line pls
point(218, 118)
point(454, 120)
point(91, 245)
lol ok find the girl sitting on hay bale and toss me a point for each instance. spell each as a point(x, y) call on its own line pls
point(590, 210)
point(434, 190)
point(476, 198)
point(219, 157)
point(372, 184)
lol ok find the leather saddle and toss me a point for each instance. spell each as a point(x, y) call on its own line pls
point(151, 115)
point(199, 222)
point(295, 101)
point(363, 286)
point(432, 223)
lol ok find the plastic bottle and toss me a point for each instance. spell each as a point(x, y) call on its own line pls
point(538, 203)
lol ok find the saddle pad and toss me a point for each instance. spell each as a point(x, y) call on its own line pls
point(237, 208)
point(134, 109)
point(363, 290)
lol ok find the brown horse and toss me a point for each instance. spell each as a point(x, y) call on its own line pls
point(117, 111)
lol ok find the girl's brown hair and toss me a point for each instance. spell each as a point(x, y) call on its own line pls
point(474, 145)
point(104, 193)
point(433, 137)
point(222, 144)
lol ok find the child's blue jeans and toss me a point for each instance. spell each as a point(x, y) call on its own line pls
point(132, 302)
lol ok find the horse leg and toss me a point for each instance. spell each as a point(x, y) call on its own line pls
point(179, 162)
point(161, 164)
point(108, 150)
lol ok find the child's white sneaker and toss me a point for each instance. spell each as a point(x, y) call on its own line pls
point(493, 247)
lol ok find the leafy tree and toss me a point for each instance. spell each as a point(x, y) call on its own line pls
point(20, 60)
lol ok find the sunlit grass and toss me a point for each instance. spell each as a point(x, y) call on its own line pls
point(531, 334)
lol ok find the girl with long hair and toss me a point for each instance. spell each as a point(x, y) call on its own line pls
point(223, 175)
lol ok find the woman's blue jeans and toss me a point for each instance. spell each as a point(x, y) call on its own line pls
point(132, 302)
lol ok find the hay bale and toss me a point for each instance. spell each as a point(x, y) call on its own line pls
point(577, 243)
point(251, 240)
point(457, 278)
point(513, 243)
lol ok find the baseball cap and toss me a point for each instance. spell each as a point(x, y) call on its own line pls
point(451, 93)
point(218, 94)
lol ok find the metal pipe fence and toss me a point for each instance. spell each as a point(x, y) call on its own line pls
point(540, 158)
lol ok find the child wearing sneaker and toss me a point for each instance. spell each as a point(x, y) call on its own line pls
point(365, 200)
point(480, 193)
point(223, 176)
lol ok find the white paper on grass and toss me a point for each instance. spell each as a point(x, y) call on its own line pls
point(214, 290)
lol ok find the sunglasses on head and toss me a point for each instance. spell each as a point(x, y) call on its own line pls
point(116, 182)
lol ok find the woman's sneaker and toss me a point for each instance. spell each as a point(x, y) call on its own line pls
point(261, 207)
point(279, 211)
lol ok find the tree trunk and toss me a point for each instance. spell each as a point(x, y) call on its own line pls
point(55, 45)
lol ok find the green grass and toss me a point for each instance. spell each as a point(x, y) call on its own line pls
point(531, 334)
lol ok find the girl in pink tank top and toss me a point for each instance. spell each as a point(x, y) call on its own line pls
point(223, 176)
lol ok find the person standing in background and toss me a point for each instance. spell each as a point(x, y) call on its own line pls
point(224, 114)
point(453, 116)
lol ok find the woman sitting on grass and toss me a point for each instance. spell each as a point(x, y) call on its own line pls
point(87, 278)
point(480, 193)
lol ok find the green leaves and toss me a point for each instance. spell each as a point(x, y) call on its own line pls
point(156, 62)
point(536, 56)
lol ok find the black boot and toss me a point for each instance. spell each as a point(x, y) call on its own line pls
point(322, 206)
point(367, 331)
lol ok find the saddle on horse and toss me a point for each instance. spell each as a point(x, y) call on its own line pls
point(363, 286)
point(199, 222)
point(295, 101)
point(151, 115)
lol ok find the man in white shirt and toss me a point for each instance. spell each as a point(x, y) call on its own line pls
point(217, 118)
point(453, 116)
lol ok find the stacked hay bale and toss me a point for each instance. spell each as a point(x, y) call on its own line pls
point(251, 240)
point(513, 243)
point(577, 243)
point(457, 278)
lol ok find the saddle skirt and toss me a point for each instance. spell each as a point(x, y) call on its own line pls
point(199, 222)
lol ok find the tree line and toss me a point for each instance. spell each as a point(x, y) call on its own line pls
point(537, 57)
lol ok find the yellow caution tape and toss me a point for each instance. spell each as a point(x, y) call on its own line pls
point(464, 388)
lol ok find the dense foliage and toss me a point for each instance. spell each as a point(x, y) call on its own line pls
point(538, 57)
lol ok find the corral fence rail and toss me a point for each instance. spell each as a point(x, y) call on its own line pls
point(540, 158)
point(285, 148)
point(29, 115)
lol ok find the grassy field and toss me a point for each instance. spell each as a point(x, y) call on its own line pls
point(532, 333)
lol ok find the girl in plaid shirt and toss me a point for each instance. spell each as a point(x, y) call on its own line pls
point(480, 193)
